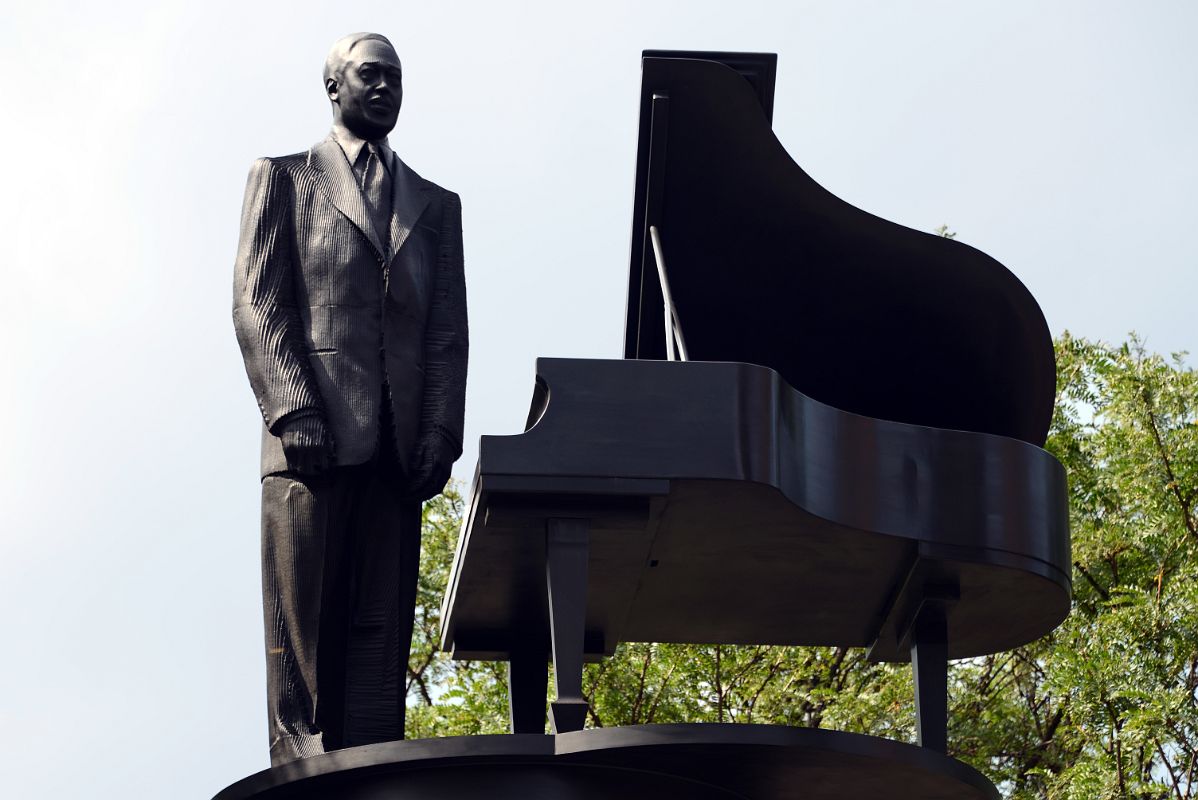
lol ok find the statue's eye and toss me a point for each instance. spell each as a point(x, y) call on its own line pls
point(368, 73)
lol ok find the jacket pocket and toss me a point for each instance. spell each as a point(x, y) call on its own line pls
point(320, 333)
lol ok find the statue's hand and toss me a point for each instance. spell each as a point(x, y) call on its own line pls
point(307, 445)
point(432, 473)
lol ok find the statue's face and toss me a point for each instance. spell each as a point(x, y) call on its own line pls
point(370, 91)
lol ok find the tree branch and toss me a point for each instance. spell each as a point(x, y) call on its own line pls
point(1172, 484)
point(1090, 580)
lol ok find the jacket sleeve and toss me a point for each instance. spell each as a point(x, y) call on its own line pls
point(265, 314)
point(446, 340)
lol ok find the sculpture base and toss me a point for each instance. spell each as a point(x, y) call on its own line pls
point(702, 762)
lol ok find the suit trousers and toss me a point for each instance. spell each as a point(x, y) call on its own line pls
point(340, 562)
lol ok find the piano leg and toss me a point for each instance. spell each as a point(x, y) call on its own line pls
point(527, 677)
point(929, 660)
point(567, 545)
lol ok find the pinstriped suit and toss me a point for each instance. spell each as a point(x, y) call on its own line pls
point(311, 313)
point(330, 313)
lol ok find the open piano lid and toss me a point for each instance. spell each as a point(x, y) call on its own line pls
point(768, 267)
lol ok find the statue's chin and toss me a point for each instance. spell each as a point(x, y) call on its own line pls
point(370, 130)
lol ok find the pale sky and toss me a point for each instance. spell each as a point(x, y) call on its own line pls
point(1060, 138)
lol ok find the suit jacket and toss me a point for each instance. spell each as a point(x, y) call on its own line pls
point(326, 313)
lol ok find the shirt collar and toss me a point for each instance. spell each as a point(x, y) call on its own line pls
point(352, 145)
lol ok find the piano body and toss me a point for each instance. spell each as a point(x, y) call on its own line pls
point(851, 455)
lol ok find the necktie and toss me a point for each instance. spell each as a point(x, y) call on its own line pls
point(376, 190)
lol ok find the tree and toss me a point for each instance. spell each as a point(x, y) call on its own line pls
point(1111, 695)
point(1105, 707)
point(447, 698)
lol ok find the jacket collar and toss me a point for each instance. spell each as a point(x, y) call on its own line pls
point(410, 195)
point(352, 144)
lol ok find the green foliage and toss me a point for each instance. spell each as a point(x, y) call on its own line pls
point(447, 698)
point(1105, 707)
point(1123, 670)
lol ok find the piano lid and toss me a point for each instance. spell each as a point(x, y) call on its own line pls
point(768, 267)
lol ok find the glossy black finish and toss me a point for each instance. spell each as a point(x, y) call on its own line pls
point(702, 762)
point(759, 70)
point(768, 267)
point(725, 506)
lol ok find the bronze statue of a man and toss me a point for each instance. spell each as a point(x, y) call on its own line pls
point(350, 307)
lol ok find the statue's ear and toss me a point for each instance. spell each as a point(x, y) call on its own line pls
point(330, 88)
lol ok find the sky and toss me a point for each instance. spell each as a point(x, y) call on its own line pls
point(1061, 138)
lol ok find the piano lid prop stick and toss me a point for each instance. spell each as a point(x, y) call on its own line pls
point(673, 326)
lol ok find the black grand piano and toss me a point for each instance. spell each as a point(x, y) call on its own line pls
point(826, 430)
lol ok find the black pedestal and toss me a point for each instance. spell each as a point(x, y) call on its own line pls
point(702, 762)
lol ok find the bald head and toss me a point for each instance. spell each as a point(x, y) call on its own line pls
point(363, 79)
point(342, 50)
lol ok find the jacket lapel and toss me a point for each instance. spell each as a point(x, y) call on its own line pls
point(410, 195)
point(342, 189)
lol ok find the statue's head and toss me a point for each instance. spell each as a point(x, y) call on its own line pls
point(362, 77)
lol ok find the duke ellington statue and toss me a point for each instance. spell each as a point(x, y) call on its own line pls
point(350, 307)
